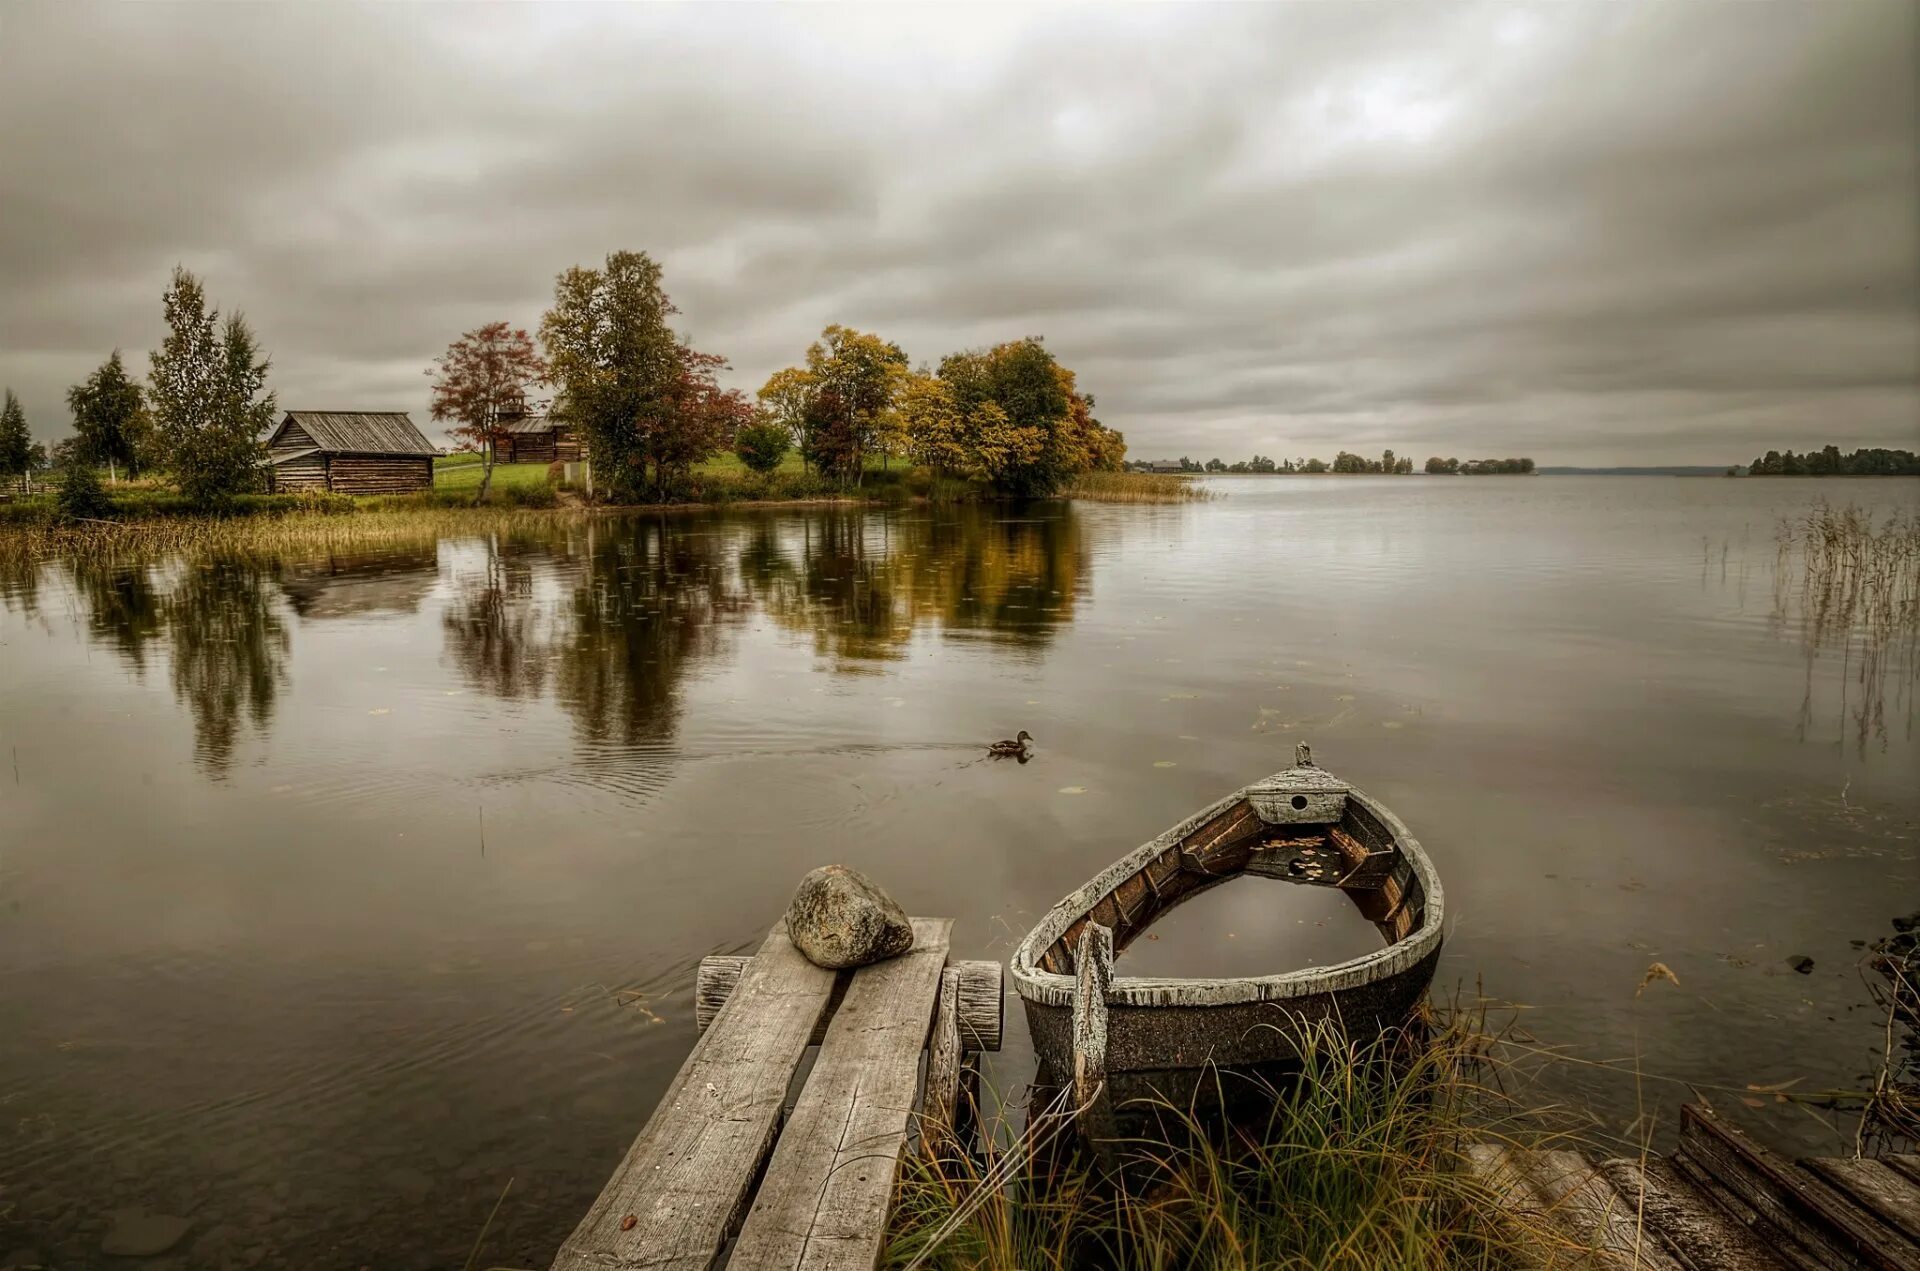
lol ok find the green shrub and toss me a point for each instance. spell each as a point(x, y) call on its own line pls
point(81, 494)
point(762, 447)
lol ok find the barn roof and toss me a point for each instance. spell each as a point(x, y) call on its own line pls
point(361, 432)
point(534, 424)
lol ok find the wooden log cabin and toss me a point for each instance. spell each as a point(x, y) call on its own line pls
point(539, 439)
point(349, 452)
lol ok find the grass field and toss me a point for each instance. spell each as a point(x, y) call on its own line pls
point(462, 472)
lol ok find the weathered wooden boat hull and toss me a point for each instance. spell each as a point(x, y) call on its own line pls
point(1160, 1037)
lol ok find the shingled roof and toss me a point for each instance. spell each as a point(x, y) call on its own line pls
point(534, 424)
point(358, 432)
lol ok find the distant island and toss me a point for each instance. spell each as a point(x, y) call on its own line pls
point(1388, 464)
point(1829, 462)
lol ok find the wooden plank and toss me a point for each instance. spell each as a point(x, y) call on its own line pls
point(823, 1203)
point(1903, 1163)
point(1222, 845)
point(982, 998)
point(1781, 1244)
point(1875, 1187)
point(1833, 1230)
point(1695, 1230)
point(676, 1196)
point(939, 1108)
point(1574, 1198)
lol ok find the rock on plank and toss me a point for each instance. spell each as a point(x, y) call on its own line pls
point(840, 918)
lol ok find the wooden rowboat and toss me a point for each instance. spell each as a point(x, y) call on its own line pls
point(1115, 1038)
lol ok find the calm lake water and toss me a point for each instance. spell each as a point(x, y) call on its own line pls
point(338, 890)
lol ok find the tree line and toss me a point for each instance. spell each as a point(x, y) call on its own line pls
point(1388, 464)
point(647, 404)
point(1830, 462)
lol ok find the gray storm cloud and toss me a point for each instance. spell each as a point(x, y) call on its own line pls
point(1590, 233)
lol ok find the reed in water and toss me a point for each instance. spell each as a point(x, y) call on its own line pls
point(1135, 487)
point(1848, 583)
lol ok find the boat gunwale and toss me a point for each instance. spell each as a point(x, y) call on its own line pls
point(1047, 988)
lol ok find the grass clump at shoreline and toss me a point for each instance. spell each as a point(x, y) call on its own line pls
point(1136, 487)
point(1359, 1163)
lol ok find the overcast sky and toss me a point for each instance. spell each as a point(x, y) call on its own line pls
point(1592, 233)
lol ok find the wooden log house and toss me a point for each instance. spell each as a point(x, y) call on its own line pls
point(349, 452)
point(539, 439)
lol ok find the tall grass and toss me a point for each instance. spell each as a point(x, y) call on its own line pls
point(319, 526)
point(1359, 1164)
point(1136, 487)
point(1851, 583)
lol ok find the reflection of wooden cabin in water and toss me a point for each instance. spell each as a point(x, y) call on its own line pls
point(355, 584)
point(349, 452)
point(539, 439)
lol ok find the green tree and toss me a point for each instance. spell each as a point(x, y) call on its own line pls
point(16, 443)
point(853, 378)
point(110, 419)
point(81, 494)
point(648, 403)
point(762, 445)
point(783, 401)
point(209, 397)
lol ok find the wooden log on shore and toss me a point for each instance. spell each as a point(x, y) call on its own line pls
point(980, 998)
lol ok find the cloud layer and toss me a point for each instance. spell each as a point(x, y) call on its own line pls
point(1591, 233)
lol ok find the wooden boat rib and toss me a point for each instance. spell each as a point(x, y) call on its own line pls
point(1303, 825)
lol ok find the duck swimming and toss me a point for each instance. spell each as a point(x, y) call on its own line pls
point(1012, 747)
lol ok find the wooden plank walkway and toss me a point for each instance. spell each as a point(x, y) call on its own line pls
point(815, 1192)
point(1720, 1203)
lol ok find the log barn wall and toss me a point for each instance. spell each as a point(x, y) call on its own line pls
point(379, 474)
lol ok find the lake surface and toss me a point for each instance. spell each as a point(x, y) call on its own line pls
point(338, 890)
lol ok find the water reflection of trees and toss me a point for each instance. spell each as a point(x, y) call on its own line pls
point(861, 585)
point(609, 616)
point(221, 622)
point(616, 614)
point(230, 648)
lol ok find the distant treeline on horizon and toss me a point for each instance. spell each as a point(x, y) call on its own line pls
point(1388, 464)
point(1829, 462)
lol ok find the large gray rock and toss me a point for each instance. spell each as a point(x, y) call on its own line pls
point(840, 918)
point(135, 1233)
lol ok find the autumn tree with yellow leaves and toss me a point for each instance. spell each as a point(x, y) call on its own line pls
point(1010, 416)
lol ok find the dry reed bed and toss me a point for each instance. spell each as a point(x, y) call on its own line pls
point(299, 531)
point(1360, 1163)
point(1137, 487)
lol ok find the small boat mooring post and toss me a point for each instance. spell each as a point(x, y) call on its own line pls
point(1092, 1097)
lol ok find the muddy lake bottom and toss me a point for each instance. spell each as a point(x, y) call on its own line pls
point(340, 889)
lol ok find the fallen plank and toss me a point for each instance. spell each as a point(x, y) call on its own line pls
point(824, 1200)
point(1699, 1233)
point(1781, 1244)
point(1832, 1229)
point(678, 1193)
point(1882, 1191)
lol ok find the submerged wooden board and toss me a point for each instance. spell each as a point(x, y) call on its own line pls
point(686, 1177)
point(823, 1203)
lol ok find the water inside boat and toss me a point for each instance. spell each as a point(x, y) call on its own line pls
point(1251, 926)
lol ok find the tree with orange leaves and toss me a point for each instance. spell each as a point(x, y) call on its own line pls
point(480, 384)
